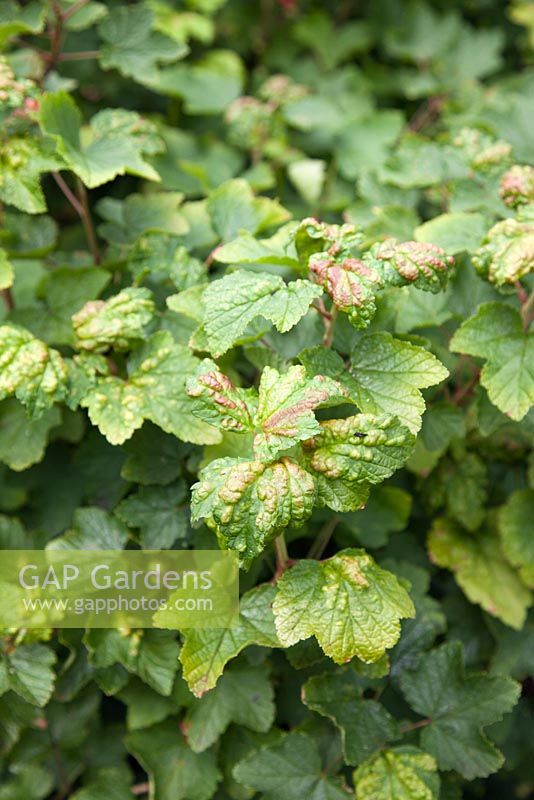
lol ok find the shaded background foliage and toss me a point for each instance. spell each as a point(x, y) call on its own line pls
point(403, 119)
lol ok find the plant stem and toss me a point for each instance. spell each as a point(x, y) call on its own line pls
point(87, 221)
point(413, 726)
point(282, 557)
point(80, 56)
point(140, 788)
point(527, 310)
point(319, 545)
point(81, 207)
point(8, 299)
point(329, 333)
point(73, 9)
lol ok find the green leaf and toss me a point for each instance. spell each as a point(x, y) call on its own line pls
point(351, 605)
point(93, 529)
point(160, 514)
point(114, 144)
point(353, 451)
point(454, 232)
point(233, 209)
point(131, 46)
point(175, 771)
point(234, 301)
point(206, 651)
point(23, 160)
point(495, 333)
point(155, 390)
point(34, 373)
point(207, 86)
point(385, 375)
point(23, 440)
point(365, 725)
point(308, 176)
point(458, 707)
point(30, 673)
point(243, 695)
point(66, 290)
point(481, 571)
point(150, 654)
point(289, 770)
point(19, 20)
point(508, 252)
point(404, 773)
point(112, 782)
point(161, 256)
point(154, 457)
point(249, 503)
point(29, 782)
point(129, 219)
point(117, 322)
point(515, 527)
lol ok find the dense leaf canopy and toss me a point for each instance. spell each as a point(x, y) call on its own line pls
point(267, 285)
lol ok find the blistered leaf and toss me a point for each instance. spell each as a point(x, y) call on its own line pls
point(517, 186)
point(234, 301)
point(458, 707)
point(419, 264)
point(114, 144)
point(176, 772)
point(206, 651)
point(219, 402)
point(32, 372)
point(353, 451)
point(117, 322)
point(351, 605)
point(289, 770)
point(404, 773)
point(249, 503)
point(285, 408)
point(155, 390)
point(495, 333)
point(508, 252)
point(481, 571)
point(365, 725)
point(516, 526)
point(351, 284)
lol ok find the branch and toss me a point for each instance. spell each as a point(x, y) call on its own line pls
point(329, 332)
point(282, 557)
point(527, 310)
point(321, 542)
point(74, 8)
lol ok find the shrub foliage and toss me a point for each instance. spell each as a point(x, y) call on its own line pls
point(267, 280)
